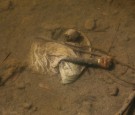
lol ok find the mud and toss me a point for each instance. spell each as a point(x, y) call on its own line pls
point(109, 25)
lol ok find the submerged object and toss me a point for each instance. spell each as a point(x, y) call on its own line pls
point(46, 56)
point(72, 35)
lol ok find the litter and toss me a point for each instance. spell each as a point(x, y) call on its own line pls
point(52, 57)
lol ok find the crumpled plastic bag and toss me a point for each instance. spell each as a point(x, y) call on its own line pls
point(46, 56)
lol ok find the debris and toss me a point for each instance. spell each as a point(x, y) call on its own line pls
point(104, 62)
point(45, 57)
point(112, 75)
point(53, 57)
point(127, 104)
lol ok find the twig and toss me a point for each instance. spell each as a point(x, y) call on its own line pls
point(86, 52)
point(6, 58)
point(104, 52)
point(10, 69)
point(75, 47)
point(103, 62)
point(92, 53)
point(86, 47)
point(126, 104)
point(124, 64)
point(81, 61)
point(121, 81)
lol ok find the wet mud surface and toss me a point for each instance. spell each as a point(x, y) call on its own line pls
point(109, 25)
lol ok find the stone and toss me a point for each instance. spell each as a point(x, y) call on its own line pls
point(90, 24)
point(27, 105)
point(71, 35)
point(113, 91)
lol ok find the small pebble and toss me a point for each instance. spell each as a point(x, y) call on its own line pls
point(27, 105)
point(113, 91)
point(71, 35)
point(35, 108)
point(90, 24)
